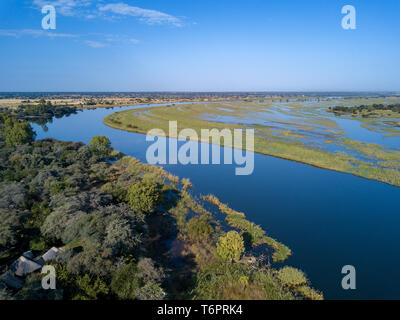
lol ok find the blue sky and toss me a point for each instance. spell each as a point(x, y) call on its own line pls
point(164, 45)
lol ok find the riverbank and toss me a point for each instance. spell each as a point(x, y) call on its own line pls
point(114, 219)
point(321, 215)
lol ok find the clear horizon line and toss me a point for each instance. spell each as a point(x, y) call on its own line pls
point(227, 91)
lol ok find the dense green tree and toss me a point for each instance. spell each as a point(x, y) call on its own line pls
point(56, 222)
point(125, 282)
point(199, 228)
point(138, 281)
point(94, 259)
point(91, 288)
point(148, 272)
point(151, 291)
point(18, 132)
point(144, 196)
point(100, 145)
point(120, 236)
point(12, 195)
point(10, 226)
point(230, 247)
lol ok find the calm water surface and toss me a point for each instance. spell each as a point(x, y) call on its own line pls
point(328, 219)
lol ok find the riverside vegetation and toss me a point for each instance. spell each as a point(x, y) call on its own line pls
point(109, 99)
point(127, 230)
point(306, 132)
point(369, 111)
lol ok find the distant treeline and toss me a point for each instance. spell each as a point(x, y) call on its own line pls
point(43, 112)
point(366, 109)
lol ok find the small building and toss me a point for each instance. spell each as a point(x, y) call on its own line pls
point(48, 256)
point(24, 266)
point(28, 255)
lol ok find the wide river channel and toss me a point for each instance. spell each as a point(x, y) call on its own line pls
point(328, 219)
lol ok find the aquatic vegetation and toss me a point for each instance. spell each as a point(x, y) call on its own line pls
point(297, 281)
point(221, 206)
point(296, 131)
point(309, 293)
point(226, 281)
point(383, 157)
point(253, 234)
point(291, 276)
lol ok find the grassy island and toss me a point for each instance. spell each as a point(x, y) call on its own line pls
point(293, 131)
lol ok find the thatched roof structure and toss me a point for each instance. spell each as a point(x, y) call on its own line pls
point(24, 266)
point(49, 255)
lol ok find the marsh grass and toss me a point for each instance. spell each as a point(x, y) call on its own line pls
point(253, 234)
point(239, 282)
point(221, 206)
point(282, 143)
point(309, 293)
point(291, 277)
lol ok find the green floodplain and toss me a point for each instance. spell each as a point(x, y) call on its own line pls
point(364, 141)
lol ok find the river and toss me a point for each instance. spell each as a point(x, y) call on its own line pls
point(328, 219)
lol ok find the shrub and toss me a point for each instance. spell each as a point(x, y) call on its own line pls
point(125, 282)
point(12, 195)
point(39, 211)
point(186, 184)
point(57, 187)
point(101, 146)
point(236, 281)
point(199, 228)
point(291, 277)
point(10, 225)
point(221, 206)
point(230, 247)
point(139, 281)
point(148, 272)
point(18, 132)
point(309, 293)
point(150, 291)
point(144, 196)
point(39, 244)
point(94, 259)
point(91, 288)
point(120, 236)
